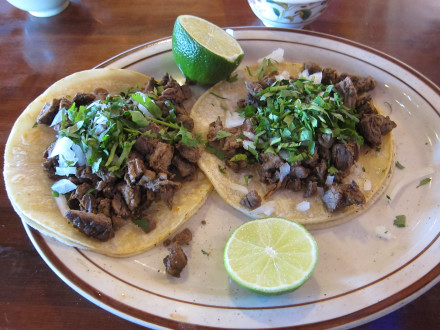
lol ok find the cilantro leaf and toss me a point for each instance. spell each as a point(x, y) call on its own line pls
point(424, 181)
point(400, 221)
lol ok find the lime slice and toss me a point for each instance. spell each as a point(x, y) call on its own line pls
point(204, 52)
point(271, 255)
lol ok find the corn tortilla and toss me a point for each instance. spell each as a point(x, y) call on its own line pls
point(372, 168)
point(28, 186)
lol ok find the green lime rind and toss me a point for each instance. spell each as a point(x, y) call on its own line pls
point(249, 253)
point(198, 63)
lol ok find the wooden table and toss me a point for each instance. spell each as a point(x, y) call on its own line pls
point(35, 52)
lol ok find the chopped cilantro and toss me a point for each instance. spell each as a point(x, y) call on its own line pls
point(104, 132)
point(205, 253)
point(144, 224)
point(400, 221)
point(388, 197)
point(222, 171)
point(216, 95)
point(399, 165)
point(246, 179)
point(222, 134)
point(424, 181)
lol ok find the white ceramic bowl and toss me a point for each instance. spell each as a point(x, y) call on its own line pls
point(41, 8)
point(288, 13)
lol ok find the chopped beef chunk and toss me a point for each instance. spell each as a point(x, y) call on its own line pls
point(182, 238)
point(49, 164)
point(184, 167)
point(311, 188)
point(65, 103)
point(165, 187)
point(186, 121)
point(135, 169)
point(251, 200)
point(149, 86)
point(329, 76)
point(145, 144)
point(105, 206)
point(48, 112)
point(192, 154)
point(340, 196)
point(321, 171)
point(84, 98)
point(268, 169)
point(84, 174)
point(88, 203)
point(100, 93)
point(148, 176)
point(119, 207)
point(364, 105)
point(131, 195)
point(373, 126)
point(345, 154)
point(349, 92)
point(299, 171)
point(161, 157)
point(176, 261)
point(326, 140)
point(98, 226)
point(312, 68)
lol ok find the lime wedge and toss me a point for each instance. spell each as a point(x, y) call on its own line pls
point(204, 52)
point(271, 255)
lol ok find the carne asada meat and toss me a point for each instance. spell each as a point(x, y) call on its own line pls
point(93, 225)
point(182, 238)
point(48, 112)
point(252, 200)
point(340, 196)
point(373, 126)
point(176, 261)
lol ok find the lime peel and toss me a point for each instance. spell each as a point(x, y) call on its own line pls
point(204, 52)
point(270, 256)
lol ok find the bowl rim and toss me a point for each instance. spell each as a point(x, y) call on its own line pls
point(294, 2)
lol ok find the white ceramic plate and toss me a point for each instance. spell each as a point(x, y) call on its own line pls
point(359, 276)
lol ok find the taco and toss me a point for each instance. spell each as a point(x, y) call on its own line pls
point(295, 141)
point(105, 160)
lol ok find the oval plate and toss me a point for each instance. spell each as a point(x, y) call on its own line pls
point(360, 276)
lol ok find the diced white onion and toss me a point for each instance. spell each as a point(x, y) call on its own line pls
point(79, 154)
point(248, 144)
point(57, 119)
point(285, 75)
point(277, 55)
point(249, 135)
point(60, 146)
point(316, 77)
point(367, 185)
point(63, 186)
point(62, 204)
point(239, 187)
point(304, 75)
point(303, 206)
point(329, 180)
point(65, 171)
point(233, 119)
point(382, 232)
point(266, 209)
point(284, 171)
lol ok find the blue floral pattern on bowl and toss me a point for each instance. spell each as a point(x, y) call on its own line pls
point(288, 13)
